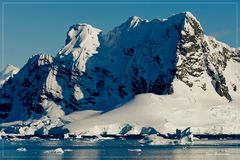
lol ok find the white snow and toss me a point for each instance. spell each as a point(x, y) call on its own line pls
point(232, 74)
point(134, 21)
point(164, 113)
point(53, 110)
point(83, 43)
point(77, 92)
point(7, 72)
point(52, 84)
point(41, 126)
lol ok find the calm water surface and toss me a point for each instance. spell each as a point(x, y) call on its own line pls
point(118, 149)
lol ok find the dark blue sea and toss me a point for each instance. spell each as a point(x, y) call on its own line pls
point(117, 149)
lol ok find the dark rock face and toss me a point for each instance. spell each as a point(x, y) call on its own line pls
point(136, 57)
point(216, 63)
point(196, 52)
point(190, 52)
point(25, 89)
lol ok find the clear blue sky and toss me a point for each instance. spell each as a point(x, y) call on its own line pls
point(41, 28)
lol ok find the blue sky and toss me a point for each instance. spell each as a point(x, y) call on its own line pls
point(31, 29)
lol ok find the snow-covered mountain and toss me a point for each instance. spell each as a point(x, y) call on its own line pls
point(7, 72)
point(101, 71)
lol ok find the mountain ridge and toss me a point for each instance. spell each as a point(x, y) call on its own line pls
point(98, 71)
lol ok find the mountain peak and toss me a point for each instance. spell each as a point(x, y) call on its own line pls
point(7, 72)
point(75, 30)
point(189, 14)
point(191, 25)
point(40, 59)
point(9, 68)
point(81, 43)
point(183, 15)
point(134, 19)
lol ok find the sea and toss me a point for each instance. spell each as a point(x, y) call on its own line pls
point(101, 149)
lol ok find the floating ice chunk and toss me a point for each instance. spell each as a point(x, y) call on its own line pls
point(21, 149)
point(16, 139)
point(67, 150)
point(135, 150)
point(34, 138)
point(106, 138)
point(57, 151)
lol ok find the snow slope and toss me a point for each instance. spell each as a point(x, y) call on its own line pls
point(164, 113)
point(7, 72)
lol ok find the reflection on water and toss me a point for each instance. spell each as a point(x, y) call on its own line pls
point(117, 149)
